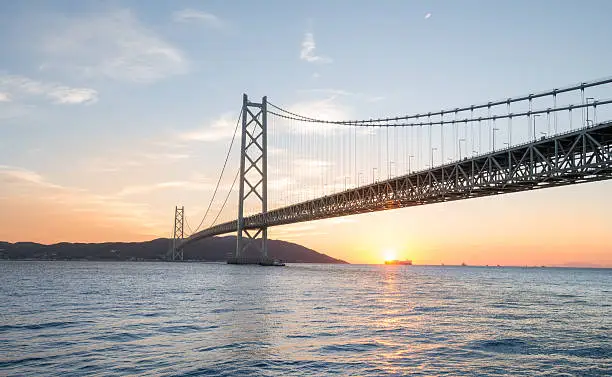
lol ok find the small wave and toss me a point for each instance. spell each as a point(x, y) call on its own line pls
point(506, 305)
point(427, 309)
point(37, 326)
point(16, 362)
point(153, 314)
point(299, 336)
point(185, 329)
point(223, 310)
point(181, 329)
point(515, 317)
point(578, 301)
point(507, 345)
point(231, 346)
point(351, 347)
point(121, 337)
point(597, 352)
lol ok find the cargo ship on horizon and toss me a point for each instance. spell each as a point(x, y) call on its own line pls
point(399, 262)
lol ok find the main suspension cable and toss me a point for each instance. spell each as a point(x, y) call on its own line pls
point(472, 119)
point(530, 97)
point(222, 171)
point(226, 198)
point(233, 183)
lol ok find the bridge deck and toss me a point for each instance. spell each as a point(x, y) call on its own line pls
point(584, 155)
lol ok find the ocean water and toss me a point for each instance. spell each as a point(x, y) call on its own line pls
point(198, 319)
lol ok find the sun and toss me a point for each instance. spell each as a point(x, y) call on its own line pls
point(390, 254)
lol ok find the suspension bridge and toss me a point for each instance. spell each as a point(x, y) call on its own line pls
point(295, 168)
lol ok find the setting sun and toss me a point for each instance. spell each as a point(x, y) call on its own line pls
point(390, 254)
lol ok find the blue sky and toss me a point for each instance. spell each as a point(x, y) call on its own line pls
point(127, 104)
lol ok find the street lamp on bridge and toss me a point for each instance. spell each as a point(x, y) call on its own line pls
point(587, 111)
point(534, 126)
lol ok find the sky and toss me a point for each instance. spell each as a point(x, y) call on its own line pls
point(113, 112)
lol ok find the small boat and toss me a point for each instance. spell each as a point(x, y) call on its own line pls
point(399, 262)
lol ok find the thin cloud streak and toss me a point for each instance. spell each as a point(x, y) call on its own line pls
point(220, 129)
point(13, 174)
point(114, 45)
point(20, 184)
point(22, 86)
point(192, 15)
point(344, 93)
point(307, 52)
point(182, 185)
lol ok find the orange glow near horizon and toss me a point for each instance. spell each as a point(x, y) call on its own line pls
point(515, 229)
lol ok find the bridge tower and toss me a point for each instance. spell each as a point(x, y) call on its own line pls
point(253, 177)
point(177, 234)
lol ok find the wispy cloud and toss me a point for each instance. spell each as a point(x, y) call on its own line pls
point(65, 95)
point(134, 160)
point(115, 46)
point(13, 174)
point(23, 86)
point(5, 97)
point(192, 15)
point(17, 182)
point(340, 92)
point(220, 129)
point(182, 185)
point(307, 52)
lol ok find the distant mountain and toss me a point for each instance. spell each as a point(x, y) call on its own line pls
point(210, 249)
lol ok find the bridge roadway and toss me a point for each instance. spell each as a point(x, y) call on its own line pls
point(584, 155)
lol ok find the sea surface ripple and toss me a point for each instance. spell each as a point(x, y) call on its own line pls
point(201, 319)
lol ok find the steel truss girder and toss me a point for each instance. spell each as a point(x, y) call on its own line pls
point(253, 177)
point(583, 155)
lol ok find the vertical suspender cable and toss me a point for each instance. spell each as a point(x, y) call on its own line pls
point(441, 138)
point(509, 126)
point(529, 121)
point(555, 107)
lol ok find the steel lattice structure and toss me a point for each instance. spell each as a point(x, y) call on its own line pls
point(584, 155)
point(253, 177)
point(176, 249)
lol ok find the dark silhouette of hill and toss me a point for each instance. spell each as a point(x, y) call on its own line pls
point(211, 249)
